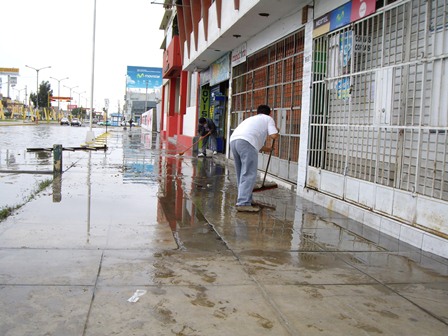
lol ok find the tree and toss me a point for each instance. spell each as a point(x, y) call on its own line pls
point(44, 92)
point(79, 112)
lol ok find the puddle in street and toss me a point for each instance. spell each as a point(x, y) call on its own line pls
point(18, 186)
point(192, 230)
point(146, 162)
point(149, 183)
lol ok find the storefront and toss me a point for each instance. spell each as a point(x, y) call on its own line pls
point(214, 93)
point(378, 123)
point(272, 76)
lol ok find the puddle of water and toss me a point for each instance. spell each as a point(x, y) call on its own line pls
point(194, 197)
point(14, 141)
point(15, 188)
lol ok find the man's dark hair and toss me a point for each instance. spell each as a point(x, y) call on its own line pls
point(264, 109)
point(202, 120)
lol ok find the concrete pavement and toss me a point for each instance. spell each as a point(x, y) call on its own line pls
point(140, 217)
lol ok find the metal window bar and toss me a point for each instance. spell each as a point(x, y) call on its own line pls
point(276, 79)
point(401, 141)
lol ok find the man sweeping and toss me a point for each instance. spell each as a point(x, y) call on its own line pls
point(207, 126)
point(246, 141)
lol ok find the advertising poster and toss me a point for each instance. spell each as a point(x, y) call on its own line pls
point(143, 77)
point(362, 8)
point(340, 17)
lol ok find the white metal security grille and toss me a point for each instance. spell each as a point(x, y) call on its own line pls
point(380, 99)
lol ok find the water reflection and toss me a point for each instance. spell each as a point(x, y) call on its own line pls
point(89, 193)
point(139, 160)
point(11, 160)
point(196, 198)
point(44, 157)
point(15, 141)
point(190, 228)
point(42, 135)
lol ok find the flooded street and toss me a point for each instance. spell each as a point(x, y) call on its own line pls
point(43, 135)
point(14, 141)
point(140, 219)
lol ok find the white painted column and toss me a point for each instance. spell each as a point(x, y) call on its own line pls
point(306, 103)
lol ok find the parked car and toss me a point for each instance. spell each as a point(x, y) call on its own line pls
point(64, 121)
point(104, 123)
point(76, 122)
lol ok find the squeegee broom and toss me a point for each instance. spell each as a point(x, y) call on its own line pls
point(266, 186)
point(202, 137)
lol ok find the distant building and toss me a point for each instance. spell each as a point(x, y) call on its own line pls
point(136, 105)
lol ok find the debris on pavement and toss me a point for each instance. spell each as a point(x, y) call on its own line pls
point(134, 298)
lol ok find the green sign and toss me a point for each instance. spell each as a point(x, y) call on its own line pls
point(204, 106)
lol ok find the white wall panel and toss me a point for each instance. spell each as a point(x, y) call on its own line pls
point(367, 194)
point(433, 214)
point(213, 30)
point(390, 228)
point(404, 206)
point(275, 32)
point(372, 220)
point(352, 189)
point(384, 198)
point(229, 14)
point(189, 121)
point(293, 169)
point(322, 7)
point(313, 178)
point(411, 235)
point(332, 183)
point(435, 245)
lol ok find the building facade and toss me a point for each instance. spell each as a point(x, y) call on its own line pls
point(356, 89)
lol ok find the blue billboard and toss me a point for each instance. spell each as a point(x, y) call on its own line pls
point(143, 77)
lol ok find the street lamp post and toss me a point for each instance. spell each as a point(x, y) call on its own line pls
point(37, 82)
point(59, 89)
point(71, 88)
point(79, 99)
point(18, 91)
point(90, 136)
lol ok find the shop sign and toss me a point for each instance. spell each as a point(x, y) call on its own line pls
point(13, 81)
point(340, 17)
point(220, 70)
point(362, 8)
point(321, 25)
point(205, 76)
point(363, 44)
point(349, 12)
point(204, 104)
point(239, 55)
point(9, 71)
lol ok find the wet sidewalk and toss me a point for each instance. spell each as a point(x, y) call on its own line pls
point(138, 217)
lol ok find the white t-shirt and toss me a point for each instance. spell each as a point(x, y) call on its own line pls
point(255, 130)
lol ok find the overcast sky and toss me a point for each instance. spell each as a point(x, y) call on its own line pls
point(59, 33)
